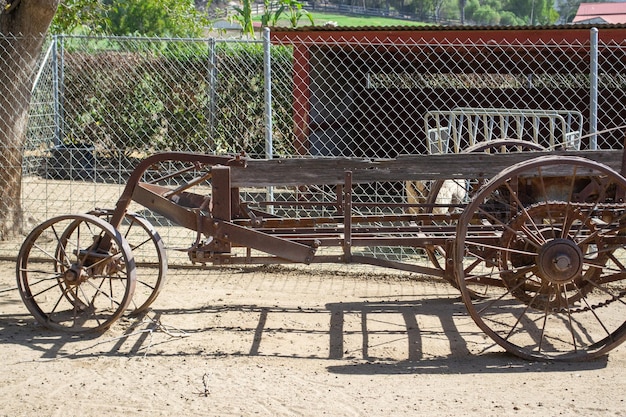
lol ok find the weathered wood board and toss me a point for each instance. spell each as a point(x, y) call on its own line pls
point(302, 171)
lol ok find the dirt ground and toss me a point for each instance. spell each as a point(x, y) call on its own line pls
point(290, 342)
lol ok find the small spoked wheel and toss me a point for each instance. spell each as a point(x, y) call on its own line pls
point(544, 245)
point(150, 257)
point(76, 273)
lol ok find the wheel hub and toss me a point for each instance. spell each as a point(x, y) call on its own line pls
point(74, 275)
point(560, 261)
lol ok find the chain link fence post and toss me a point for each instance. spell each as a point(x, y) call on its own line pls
point(57, 68)
point(593, 90)
point(211, 89)
point(267, 69)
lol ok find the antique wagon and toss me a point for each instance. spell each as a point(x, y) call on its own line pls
point(537, 248)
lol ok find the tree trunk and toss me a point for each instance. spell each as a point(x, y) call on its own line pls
point(23, 27)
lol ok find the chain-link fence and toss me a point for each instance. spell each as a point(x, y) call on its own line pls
point(382, 96)
point(15, 99)
point(101, 104)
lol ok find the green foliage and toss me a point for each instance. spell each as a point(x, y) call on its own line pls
point(522, 8)
point(291, 8)
point(176, 18)
point(486, 15)
point(243, 16)
point(82, 16)
point(470, 7)
point(163, 101)
point(241, 104)
point(509, 19)
point(544, 12)
point(270, 17)
point(494, 4)
point(296, 12)
point(511, 12)
point(450, 10)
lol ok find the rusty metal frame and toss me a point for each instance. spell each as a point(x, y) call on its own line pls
point(212, 196)
point(223, 220)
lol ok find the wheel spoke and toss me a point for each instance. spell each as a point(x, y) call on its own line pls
point(524, 212)
point(471, 186)
point(527, 237)
point(494, 300)
point(45, 290)
point(592, 310)
point(148, 248)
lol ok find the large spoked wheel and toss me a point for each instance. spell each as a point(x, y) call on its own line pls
point(544, 245)
point(76, 273)
point(444, 194)
point(150, 257)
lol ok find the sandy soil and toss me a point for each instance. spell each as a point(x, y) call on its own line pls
point(289, 342)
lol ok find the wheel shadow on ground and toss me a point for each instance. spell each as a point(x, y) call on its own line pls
point(485, 363)
point(429, 336)
point(22, 329)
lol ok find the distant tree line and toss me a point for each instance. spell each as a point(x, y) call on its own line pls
point(484, 12)
point(188, 18)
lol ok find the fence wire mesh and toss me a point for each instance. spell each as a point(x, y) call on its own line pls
point(371, 99)
point(16, 94)
point(99, 105)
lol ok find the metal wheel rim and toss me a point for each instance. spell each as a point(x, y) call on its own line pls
point(588, 346)
point(82, 289)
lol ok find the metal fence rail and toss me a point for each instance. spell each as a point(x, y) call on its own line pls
point(101, 104)
point(452, 131)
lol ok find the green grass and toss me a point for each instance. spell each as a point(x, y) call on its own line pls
point(349, 21)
